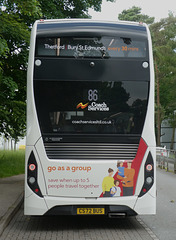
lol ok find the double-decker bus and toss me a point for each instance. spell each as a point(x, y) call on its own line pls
point(90, 119)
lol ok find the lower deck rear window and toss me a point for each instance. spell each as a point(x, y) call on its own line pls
point(91, 107)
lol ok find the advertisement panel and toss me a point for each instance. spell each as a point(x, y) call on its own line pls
point(92, 179)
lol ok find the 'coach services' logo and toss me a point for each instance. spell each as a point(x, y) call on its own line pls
point(81, 105)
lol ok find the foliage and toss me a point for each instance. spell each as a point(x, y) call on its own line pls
point(164, 51)
point(3, 47)
point(134, 14)
point(15, 38)
point(16, 19)
point(69, 8)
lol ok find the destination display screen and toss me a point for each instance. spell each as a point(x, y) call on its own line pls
point(100, 47)
point(91, 107)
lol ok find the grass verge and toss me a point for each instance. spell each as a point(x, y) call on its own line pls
point(11, 163)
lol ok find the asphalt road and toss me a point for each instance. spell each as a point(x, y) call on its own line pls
point(163, 224)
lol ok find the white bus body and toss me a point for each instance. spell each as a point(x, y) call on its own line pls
point(90, 119)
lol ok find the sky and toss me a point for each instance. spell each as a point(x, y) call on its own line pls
point(153, 8)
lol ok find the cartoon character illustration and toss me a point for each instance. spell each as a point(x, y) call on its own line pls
point(127, 180)
point(108, 183)
point(115, 191)
point(120, 168)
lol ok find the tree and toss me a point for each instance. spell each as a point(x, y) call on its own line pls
point(16, 19)
point(134, 14)
point(164, 50)
point(172, 122)
point(13, 65)
point(69, 8)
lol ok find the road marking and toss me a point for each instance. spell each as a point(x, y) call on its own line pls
point(150, 232)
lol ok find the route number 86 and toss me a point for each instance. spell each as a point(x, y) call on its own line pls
point(92, 95)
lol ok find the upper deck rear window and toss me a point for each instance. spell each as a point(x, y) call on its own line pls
point(100, 47)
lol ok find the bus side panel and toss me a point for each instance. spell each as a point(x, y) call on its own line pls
point(146, 204)
point(33, 130)
point(34, 204)
point(141, 176)
point(148, 131)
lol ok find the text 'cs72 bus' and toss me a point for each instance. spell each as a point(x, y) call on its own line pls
point(90, 119)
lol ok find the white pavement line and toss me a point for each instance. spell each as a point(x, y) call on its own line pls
point(150, 232)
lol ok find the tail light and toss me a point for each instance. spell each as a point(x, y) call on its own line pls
point(148, 175)
point(32, 167)
point(149, 167)
point(32, 175)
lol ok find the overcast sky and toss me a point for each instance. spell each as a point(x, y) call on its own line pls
point(153, 8)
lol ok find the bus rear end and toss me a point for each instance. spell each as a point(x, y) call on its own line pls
point(90, 119)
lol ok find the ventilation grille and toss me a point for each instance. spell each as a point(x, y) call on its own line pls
point(91, 151)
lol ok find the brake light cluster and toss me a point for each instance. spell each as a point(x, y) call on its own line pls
point(148, 175)
point(32, 173)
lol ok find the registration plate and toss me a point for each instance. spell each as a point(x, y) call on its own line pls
point(90, 211)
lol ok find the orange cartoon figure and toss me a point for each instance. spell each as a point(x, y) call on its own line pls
point(127, 180)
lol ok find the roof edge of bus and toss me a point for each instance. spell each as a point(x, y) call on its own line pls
point(89, 20)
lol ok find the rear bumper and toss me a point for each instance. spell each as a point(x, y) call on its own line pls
point(127, 206)
point(110, 210)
